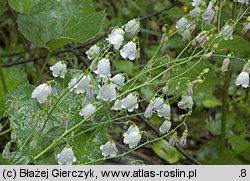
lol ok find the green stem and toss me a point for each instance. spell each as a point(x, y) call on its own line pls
point(43, 67)
point(224, 113)
point(3, 78)
point(55, 142)
point(5, 132)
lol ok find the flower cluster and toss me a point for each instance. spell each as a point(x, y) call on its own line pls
point(108, 87)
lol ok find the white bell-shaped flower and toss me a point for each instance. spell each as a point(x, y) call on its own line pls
point(227, 32)
point(186, 35)
point(83, 85)
point(149, 110)
point(103, 68)
point(66, 157)
point(107, 92)
point(225, 65)
point(195, 12)
point(41, 92)
point(132, 136)
point(59, 69)
point(158, 103)
point(130, 102)
point(243, 1)
point(109, 149)
point(116, 38)
point(93, 52)
point(242, 79)
point(133, 26)
point(196, 3)
point(186, 102)
point(183, 139)
point(165, 111)
point(209, 14)
point(87, 110)
point(80, 83)
point(129, 51)
point(117, 105)
point(182, 23)
point(118, 80)
point(165, 127)
point(246, 26)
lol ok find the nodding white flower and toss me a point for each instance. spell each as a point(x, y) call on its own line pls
point(246, 26)
point(130, 102)
point(80, 86)
point(66, 157)
point(107, 92)
point(182, 23)
point(183, 139)
point(225, 65)
point(200, 40)
point(41, 92)
point(186, 102)
point(129, 51)
point(109, 149)
point(243, 1)
point(132, 136)
point(118, 80)
point(93, 52)
point(59, 69)
point(196, 3)
point(227, 32)
point(158, 103)
point(103, 68)
point(242, 79)
point(195, 12)
point(87, 110)
point(133, 26)
point(6, 151)
point(117, 105)
point(172, 140)
point(186, 35)
point(165, 127)
point(164, 111)
point(190, 90)
point(209, 14)
point(149, 110)
point(90, 93)
point(116, 38)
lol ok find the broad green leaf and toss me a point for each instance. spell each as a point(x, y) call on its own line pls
point(239, 143)
point(213, 102)
point(27, 117)
point(22, 6)
point(237, 45)
point(2, 6)
point(167, 152)
point(52, 24)
point(127, 67)
point(13, 77)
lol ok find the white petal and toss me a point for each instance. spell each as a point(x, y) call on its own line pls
point(132, 27)
point(87, 110)
point(107, 92)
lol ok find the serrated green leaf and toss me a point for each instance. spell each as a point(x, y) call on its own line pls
point(27, 117)
point(52, 24)
point(237, 45)
point(22, 6)
point(13, 77)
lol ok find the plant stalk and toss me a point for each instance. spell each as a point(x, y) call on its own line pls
point(43, 67)
point(3, 78)
point(224, 111)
